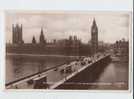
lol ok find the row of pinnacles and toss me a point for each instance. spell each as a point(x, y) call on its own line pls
point(18, 37)
point(42, 39)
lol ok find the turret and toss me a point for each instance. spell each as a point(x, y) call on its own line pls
point(17, 34)
point(33, 40)
point(42, 39)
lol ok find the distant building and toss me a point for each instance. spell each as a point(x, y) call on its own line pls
point(121, 47)
point(94, 37)
point(42, 38)
point(17, 34)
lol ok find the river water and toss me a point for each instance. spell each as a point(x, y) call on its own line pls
point(114, 76)
point(21, 66)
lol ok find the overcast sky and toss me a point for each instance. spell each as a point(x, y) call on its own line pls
point(57, 25)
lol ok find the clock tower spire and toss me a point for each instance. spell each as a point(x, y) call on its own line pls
point(94, 37)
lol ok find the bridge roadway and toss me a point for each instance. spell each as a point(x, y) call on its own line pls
point(57, 75)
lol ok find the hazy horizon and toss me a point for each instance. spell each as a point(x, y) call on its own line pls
point(111, 27)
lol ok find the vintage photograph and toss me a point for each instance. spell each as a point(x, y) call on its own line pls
point(67, 50)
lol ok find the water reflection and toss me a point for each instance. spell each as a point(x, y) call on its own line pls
point(114, 72)
point(21, 66)
point(114, 76)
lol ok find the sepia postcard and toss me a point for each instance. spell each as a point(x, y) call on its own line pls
point(68, 50)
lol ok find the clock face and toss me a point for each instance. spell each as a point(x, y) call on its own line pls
point(94, 30)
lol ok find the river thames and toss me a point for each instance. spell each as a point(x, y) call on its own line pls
point(20, 66)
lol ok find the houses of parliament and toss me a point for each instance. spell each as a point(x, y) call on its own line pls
point(70, 46)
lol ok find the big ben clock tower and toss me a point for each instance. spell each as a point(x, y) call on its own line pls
point(94, 37)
